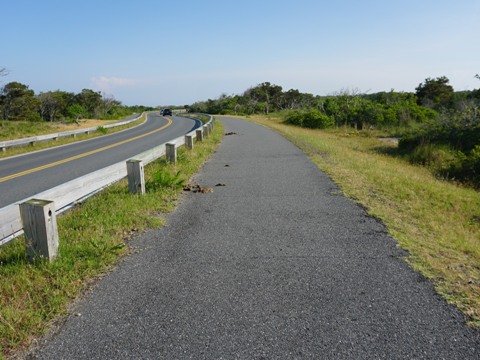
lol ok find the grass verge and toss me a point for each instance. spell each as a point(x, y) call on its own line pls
point(44, 128)
point(202, 117)
point(93, 237)
point(437, 222)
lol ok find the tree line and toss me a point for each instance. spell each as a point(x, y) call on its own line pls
point(434, 99)
point(437, 126)
point(19, 103)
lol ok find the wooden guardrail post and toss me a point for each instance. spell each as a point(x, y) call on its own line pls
point(136, 176)
point(40, 228)
point(189, 142)
point(199, 133)
point(205, 130)
point(171, 153)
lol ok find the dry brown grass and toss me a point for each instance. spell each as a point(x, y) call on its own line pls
point(82, 124)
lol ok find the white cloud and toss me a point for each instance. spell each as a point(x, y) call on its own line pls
point(108, 84)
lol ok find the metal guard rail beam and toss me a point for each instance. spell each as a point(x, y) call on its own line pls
point(33, 139)
point(70, 193)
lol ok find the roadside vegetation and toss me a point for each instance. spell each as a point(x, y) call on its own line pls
point(93, 237)
point(23, 113)
point(438, 127)
point(25, 129)
point(202, 117)
point(20, 103)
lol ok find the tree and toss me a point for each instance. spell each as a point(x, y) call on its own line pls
point(263, 93)
point(272, 93)
point(18, 102)
point(76, 111)
point(349, 104)
point(435, 93)
point(108, 102)
point(53, 104)
point(90, 100)
point(292, 99)
point(250, 100)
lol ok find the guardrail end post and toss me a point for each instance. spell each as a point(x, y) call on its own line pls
point(40, 228)
point(199, 133)
point(136, 176)
point(189, 142)
point(171, 153)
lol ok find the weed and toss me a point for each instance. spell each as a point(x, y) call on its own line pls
point(102, 130)
point(162, 178)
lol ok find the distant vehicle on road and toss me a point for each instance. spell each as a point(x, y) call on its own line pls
point(166, 112)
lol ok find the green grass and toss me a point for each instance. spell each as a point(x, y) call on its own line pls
point(437, 221)
point(93, 237)
point(204, 118)
point(19, 130)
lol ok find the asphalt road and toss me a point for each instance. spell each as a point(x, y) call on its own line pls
point(40, 176)
point(276, 264)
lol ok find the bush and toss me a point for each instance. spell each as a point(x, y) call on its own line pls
point(458, 137)
point(294, 118)
point(441, 158)
point(315, 119)
point(450, 152)
point(312, 119)
point(467, 169)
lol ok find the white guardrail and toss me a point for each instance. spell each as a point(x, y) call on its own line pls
point(33, 139)
point(68, 194)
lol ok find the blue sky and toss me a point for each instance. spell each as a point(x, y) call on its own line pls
point(177, 52)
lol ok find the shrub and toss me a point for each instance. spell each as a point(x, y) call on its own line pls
point(162, 178)
point(312, 119)
point(102, 130)
point(294, 118)
point(452, 153)
point(315, 119)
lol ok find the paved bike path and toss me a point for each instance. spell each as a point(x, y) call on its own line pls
point(276, 264)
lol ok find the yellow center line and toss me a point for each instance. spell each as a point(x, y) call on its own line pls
point(79, 156)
